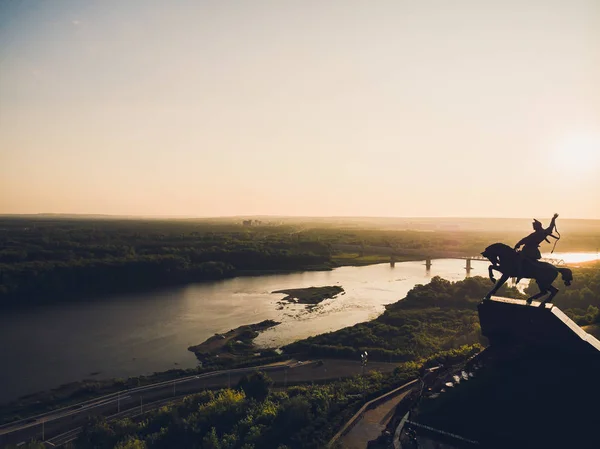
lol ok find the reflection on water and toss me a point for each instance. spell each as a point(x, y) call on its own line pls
point(129, 335)
point(570, 258)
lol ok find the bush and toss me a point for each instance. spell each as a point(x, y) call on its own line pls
point(256, 385)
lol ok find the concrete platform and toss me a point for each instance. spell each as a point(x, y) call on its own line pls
point(506, 321)
point(535, 386)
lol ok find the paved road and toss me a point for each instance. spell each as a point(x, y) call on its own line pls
point(63, 423)
point(58, 421)
point(371, 424)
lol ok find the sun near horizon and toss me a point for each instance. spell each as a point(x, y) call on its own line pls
point(338, 108)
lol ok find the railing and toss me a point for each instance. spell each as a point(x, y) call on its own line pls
point(368, 406)
point(442, 433)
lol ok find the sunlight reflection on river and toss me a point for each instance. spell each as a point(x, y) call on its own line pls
point(573, 258)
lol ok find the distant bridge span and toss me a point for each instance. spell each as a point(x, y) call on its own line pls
point(427, 255)
point(553, 261)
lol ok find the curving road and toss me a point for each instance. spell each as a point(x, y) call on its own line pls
point(65, 421)
point(63, 425)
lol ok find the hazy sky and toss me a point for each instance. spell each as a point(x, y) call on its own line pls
point(339, 107)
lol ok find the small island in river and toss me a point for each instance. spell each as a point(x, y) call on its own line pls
point(236, 343)
point(310, 295)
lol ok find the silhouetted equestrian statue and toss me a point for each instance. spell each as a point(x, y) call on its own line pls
point(526, 264)
point(531, 244)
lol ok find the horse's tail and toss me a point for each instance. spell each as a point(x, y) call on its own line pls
point(567, 275)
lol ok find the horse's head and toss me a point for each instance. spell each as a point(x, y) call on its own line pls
point(567, 276)
point(490, 255)
point(497, 250)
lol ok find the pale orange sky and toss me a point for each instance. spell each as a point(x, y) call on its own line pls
point(339, 107)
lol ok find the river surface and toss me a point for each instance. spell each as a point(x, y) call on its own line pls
point(130, 335)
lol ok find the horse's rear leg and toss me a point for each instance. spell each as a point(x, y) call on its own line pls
point(499, 284)
point(543, 291)
point(553, 292)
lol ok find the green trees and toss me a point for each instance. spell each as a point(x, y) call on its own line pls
point(132, 443)
point(256, 385)
point(61, 258)
point(211, 440)
point(98, 434)
point(434, 317)
point(301, 417)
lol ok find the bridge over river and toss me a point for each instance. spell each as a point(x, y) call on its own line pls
point(421, 254)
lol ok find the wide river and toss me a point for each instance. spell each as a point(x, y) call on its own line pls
point(129, 335)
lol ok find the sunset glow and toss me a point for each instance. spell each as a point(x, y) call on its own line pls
point(579, 154)
point(304, 108)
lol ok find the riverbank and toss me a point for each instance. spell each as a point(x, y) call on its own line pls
point(432, 318)
point(128, 335)
point(230, 348)
point(24, 300)
point(217, 348)
point(236, 344)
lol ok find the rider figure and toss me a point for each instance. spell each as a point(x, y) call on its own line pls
point(532, 242)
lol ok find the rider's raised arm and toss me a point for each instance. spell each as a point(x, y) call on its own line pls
point(550, 228)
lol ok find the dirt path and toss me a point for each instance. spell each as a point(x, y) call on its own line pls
point(372, 424)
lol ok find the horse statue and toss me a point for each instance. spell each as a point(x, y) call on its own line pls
point(506, 260)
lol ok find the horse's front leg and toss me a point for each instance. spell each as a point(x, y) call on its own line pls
point(491, 269)
point(499, 284)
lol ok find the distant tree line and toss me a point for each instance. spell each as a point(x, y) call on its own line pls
point(51, 260)
point(47, 259)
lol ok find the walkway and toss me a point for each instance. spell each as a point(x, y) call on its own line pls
point(372, 424)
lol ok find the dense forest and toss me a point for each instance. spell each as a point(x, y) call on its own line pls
point(44, 259)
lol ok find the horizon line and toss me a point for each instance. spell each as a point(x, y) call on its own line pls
point(272, 216)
